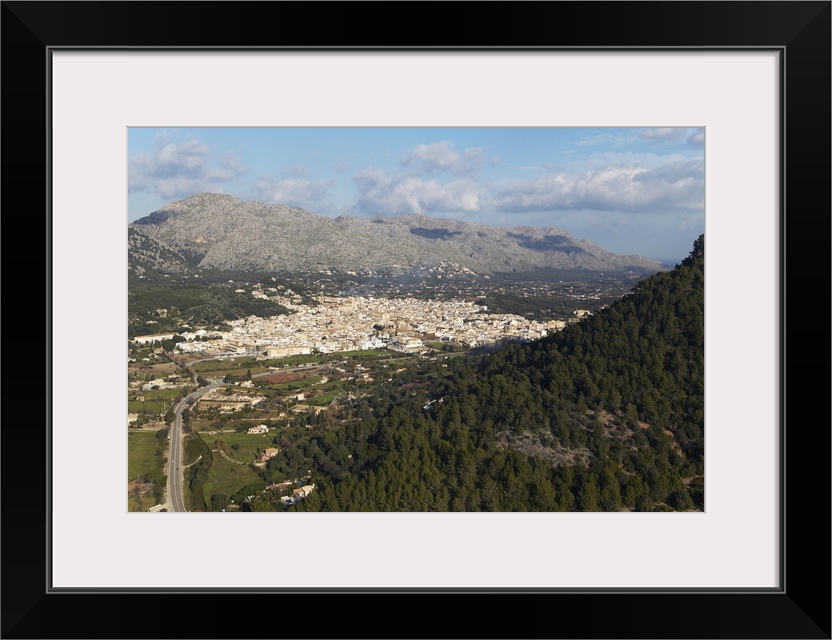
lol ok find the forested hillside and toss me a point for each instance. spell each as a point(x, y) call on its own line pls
point(606, 415)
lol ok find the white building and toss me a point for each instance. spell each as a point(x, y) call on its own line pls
point(260, 428)
point(150, 339)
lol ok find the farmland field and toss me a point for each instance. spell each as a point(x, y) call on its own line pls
point(145, 479)
point(248, 444)
point(141, 453)
point(225, 364)
point(154, 401)
point(228, 478)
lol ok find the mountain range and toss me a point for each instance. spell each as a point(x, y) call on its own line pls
point(215, 231)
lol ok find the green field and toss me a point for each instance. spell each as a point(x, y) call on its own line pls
point(147, 502)
point(325, 399)
point(235, 366)
point(248, 444)
point(238, 372)
point(228, 478)
point(293, 361)
point(200, 424)
point(283, 387)
point(369, 353)
point(141, 453)
point(154, 401)
point(228, 364)
point(238, 365)
point(141, 460)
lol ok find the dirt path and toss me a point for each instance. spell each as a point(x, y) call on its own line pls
point(185, 466)
point(222, 453)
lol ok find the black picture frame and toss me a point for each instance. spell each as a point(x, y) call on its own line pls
point(799, 31)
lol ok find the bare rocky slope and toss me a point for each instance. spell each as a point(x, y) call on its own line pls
point(148, 256)
point(222, 232)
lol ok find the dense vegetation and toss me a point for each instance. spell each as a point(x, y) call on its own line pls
point(590, 290)
point(606, 415)
point(191, 305)
point(168, 292)
point(535, 307)
point(199, 456)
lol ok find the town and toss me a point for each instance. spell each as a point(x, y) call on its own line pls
point(360, 323)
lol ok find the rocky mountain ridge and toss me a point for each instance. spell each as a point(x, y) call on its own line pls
point(222, 232)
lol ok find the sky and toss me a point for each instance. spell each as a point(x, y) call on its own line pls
point(630, 191)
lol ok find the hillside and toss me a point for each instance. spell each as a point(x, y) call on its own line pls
point(221, 232)
point(607, 415)
point(147, 258)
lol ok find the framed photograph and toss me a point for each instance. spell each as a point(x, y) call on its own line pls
point(752, 79)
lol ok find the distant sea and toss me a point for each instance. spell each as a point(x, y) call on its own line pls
point(669, 262)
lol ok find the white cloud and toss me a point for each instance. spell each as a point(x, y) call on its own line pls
point(671, 187)
point(441, 156)
point(692, 136)
point(293, 192)
point(640, 137)
point(697, 138)
point(603, 159)
point(665, 134)
point(600, 139)
point(413, 191)
point(180, 168)
point(380, 194)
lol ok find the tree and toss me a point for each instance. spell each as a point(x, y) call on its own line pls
point(544, 497)
point(697, 491)
point(243, 425)
point(248, 374)
point(169, 416)
point(589, 494)
point(698, 251)
point(259, 504)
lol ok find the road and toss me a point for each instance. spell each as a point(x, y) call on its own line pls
point(175, 499)
point(175, 495)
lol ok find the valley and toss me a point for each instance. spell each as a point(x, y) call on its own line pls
point(426, 386)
